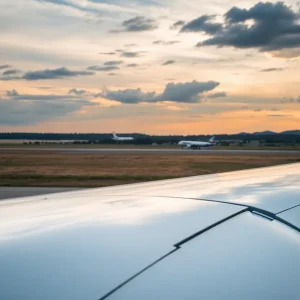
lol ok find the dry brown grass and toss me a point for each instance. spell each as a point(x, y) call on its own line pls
point(59, 169)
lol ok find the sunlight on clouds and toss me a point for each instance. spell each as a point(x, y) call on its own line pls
point(76, 34)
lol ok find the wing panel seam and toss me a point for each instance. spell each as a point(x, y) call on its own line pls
point(177, 245)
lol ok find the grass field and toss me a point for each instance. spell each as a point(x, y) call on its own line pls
point(48, 168)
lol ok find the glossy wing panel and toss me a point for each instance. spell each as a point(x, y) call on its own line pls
point(82, 247)
point(291, 216)
point(247, 257)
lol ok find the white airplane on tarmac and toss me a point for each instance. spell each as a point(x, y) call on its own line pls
point(122, 139)
point(197, 144)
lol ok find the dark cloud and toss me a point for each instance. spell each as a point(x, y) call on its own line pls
point(11, 72)
point(275, 26)
point(54, 74)
point(168, 62)
point(217, 95)
point(279, 115)
point(103, 68)
point(108, 53)
point(177, 25)
point(272, 69)
point(77, 92)
point(188, 92)
point(132, 65)
point(5, 67)
point(48, 74)
point(12, 93)
point(204, 24)
point(160, 42)
point(131, 53)
point(139, 23)
point(113, 63)
point(129, 96)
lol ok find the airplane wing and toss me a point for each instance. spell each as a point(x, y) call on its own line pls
point(233, 235)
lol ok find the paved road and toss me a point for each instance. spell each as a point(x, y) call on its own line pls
point(14, 192)
point(153, 151)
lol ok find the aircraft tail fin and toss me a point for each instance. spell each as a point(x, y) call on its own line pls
point(212, 139)
point(115, 136)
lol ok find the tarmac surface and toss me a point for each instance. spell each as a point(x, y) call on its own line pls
point(15, 192)
point(153, 151)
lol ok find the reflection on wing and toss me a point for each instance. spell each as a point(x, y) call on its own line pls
point(190, 234)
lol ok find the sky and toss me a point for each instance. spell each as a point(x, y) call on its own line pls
point(149, 66)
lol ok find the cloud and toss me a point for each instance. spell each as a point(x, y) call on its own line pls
point(139, 23)
point(10, 72)
point(26, 109)
point(132, 65)
point(130, 45)
point(44, 98)
point(77, 92)
point(113, 63)
point(203, 24)
point(265, 26)
point(12, 93)
point(279, 115)
point(90, 6)
point(188, 92)
point(290, 100)
point(103, 68)
point(177, 24)
point(108, 53)
point(160, 42)
point(48, 74)
point(131, 53)
point(128, 96)
point(5, 67)
point(168, 62)
point(217, 95)
point(272, 70)
point(54, 74)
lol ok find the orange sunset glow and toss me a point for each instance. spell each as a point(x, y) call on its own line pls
point(152, 66)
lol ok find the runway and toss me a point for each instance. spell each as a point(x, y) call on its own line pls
point(154, 151)
point(14, 192)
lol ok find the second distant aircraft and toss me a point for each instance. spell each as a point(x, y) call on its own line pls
point(122, 139)
point(197, 144)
